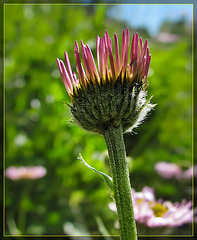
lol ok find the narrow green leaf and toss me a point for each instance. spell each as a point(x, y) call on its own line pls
point(107, 178)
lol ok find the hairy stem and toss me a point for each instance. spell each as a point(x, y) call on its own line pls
point(121, 182)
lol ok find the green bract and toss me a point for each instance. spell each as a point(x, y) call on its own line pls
point(114, 92)
point(107, 103)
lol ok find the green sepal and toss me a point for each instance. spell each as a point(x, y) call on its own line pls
point(107, 178)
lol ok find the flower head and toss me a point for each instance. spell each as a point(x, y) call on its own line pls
point(18, 173)
point(168, 170)
point(114, 93)
point(166, 213)
point(158, 213)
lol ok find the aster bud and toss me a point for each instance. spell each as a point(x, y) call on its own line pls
point(111, 96)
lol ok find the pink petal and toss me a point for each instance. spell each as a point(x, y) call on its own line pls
point(143, 51)
point(85, 60)
point(68, 67)
point(117, 53)
point(122, 48)
point(126, 49)
point(111, 58)
point(140, 44)
point(132, 49)
point(80, 70)
point(105, 59)
point(147, 63)
point(98, 41)
point(75, 78)
point(136, 53)
point(91, 62)
point(132, 55)
point(64, 75)
point(102, 60)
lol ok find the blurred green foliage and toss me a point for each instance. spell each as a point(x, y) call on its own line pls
point(71, 199)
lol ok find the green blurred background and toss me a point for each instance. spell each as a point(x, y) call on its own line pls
point(72, 199)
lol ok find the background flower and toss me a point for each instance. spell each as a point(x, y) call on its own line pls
point(158, 213)
point(171, 214)
point(19, 173)
point(168, 170)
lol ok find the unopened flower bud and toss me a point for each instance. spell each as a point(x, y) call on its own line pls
point(115, 94)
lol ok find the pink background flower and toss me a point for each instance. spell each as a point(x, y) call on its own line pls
point(168, 170)
point(17, 173)
point(158, 213)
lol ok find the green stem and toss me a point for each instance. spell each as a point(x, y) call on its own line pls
point(121, 182)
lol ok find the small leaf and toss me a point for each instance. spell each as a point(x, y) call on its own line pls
point(107, 178)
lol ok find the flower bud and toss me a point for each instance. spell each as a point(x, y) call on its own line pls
point(115, 94)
